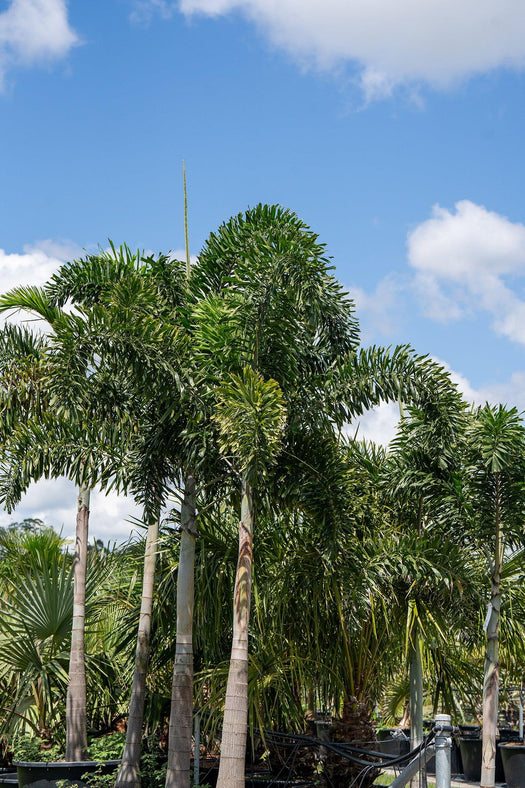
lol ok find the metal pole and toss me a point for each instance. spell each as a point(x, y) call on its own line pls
point(196, 748)
point(443, 729)
point(521, 712)
point(413, 767)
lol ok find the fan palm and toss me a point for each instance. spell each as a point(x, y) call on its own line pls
point(35, 632)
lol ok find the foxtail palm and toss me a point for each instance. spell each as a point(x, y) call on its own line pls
point(110, 284)
point(66, 437)
point(36, 301)
point(497, 440)
point(156, 290)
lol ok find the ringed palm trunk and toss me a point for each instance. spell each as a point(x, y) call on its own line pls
point(416, 705)
point(181, 715)
point(233, 747)
point(129, 772)
point(491, 678)
point(76, 724)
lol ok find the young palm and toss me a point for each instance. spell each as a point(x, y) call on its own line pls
point(497, 453)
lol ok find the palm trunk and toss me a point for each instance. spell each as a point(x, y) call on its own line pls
point(181, 715)
point(129, 772)
point(233, 748)
point(491, 679)
point(416, 705)
point(76, 724)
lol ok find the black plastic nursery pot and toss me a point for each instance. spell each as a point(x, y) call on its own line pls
point(513, 757)
point(393, 741)
point(259, 782)
point(471, 758)
point(8, 780)
point(35, 774)
point(456, 765)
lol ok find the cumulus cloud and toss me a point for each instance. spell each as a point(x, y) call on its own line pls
point(379, 310)
point(467, 260)
point(380, 424)
point(389, 42)
point(33, 32)
point(508, 392)
point(54, 502)
point(33, 266)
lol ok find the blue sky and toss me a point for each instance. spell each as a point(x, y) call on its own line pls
point(394, 129)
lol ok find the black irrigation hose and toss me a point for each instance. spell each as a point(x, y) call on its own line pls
point(344, 749)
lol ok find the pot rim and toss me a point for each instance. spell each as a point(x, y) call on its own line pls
point(40, 764)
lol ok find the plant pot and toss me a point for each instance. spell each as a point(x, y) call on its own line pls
point(456, 766)
point(8, 780)
point(393, 741)
point(513, 757)
point(36, 774)
point(471, 758)
point(470, 731)
point(208, 771)
point(254, 782)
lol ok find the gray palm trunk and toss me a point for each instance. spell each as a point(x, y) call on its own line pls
point(76, 724)
point(491, 678)
point(129, 772)
point(181, 714)
point(416, 705)
point(234, 730)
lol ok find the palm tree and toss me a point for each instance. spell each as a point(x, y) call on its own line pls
point(162, 447)
point(269, 307)
point(108, 285)
point(420, 473)
point(497, 456)
point(57, 438)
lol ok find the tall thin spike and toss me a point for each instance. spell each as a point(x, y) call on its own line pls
point(186, 221)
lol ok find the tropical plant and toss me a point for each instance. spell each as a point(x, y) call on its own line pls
point(35, 634)
point(105, 287)
point(36, 301)
point(496, 473)
point(158, 399)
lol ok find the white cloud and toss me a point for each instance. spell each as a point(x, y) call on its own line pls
point(509, 392)
point(391, 42)
point(144, 10)
point(33, 267)
point(467, 261)
point(34, 31)
point(54, 502)
point(380, 424)
point(379, 311)
point(377, 424)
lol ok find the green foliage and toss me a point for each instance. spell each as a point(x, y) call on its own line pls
point(250, 415)
point(106, 748)
point(152, 772)
point(30, 748)
point(35, 625)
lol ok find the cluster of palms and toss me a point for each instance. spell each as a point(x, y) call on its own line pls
point(228, 385)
